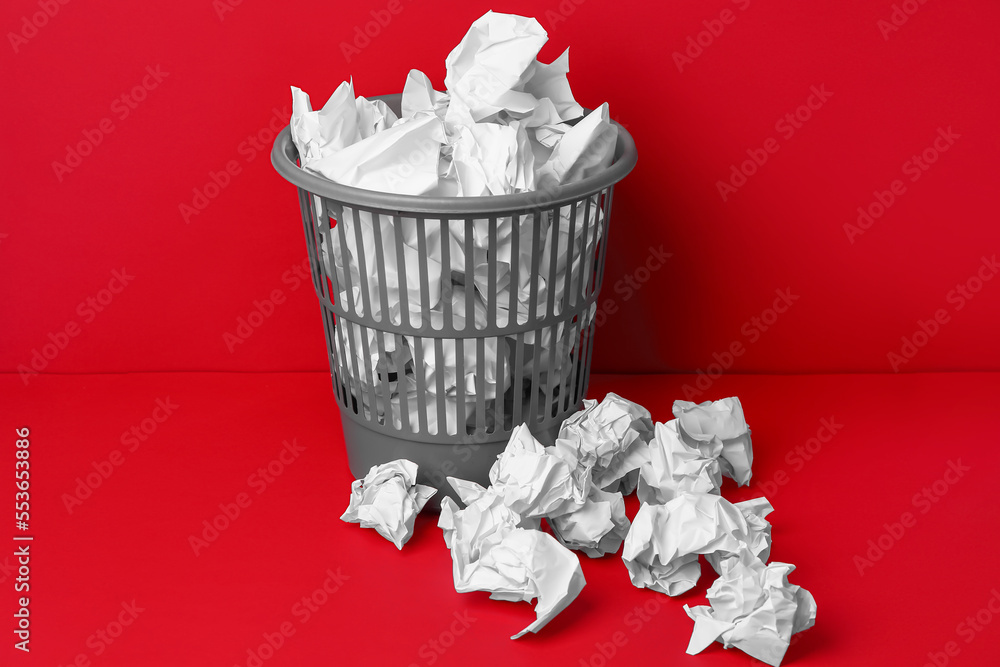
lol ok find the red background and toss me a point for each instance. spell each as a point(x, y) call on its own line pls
point(162, 336)
point(130, 539)
point(783, 229)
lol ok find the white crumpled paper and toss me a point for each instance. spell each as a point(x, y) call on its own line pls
point(673, 468)
point(597, 528)
point(343, 121)
point(754, 511)
point(662, 546)
point(493, 73)
point(506, 123)
point(497, 545)
point(533, 481)
point(480, 523)
point(544, 482)
point(718, 429)
point(583, 150)
point(610, 438)
point(388, 499)
point(493, 551)
point(753, 608)
point(363, 144)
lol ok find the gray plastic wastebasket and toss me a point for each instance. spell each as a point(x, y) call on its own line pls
point(451, 320)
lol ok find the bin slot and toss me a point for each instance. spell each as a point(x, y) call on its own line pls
point(404, 294)
point(380, 268)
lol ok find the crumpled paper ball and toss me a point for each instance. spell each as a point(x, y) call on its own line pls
point(610, 438)
point(662, 546)
point(753, 608)
point(388, 499)
point(494, 549)
point(597, 528)
point(674, 467)
point(533, 481)
point(718, 429)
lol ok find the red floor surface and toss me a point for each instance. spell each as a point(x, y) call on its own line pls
point(122, 552)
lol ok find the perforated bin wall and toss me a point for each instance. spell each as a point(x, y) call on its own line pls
point(449, 321)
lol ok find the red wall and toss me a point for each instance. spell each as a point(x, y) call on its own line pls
point(224, 69)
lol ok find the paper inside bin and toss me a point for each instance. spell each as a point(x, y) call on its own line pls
point(506, 121)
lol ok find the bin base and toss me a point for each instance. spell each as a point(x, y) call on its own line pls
point(435, 462)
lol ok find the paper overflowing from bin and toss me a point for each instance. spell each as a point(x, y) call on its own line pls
point(506, 123)
point(753, 608)
point(388, 499)
point(493, 71)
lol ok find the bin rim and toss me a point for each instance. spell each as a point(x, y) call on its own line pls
point(284, 156)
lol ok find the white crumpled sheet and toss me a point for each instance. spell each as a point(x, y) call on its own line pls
point(673, 468)
point(533, 481)
point(718, 429)
point(753, 608)
point(597, 528)
point(388, 499)
point(610, 438)
point(662, 546)
point(494, 549)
